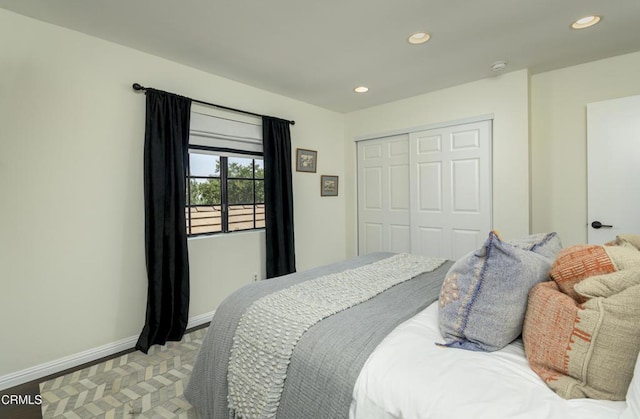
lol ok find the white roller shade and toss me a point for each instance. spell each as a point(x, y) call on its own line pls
point(212, 131)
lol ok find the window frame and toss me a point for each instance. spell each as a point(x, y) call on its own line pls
point(224, 154)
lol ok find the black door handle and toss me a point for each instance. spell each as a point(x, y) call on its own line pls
point(598, 224)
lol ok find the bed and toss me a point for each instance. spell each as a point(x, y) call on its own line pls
point(382, 357)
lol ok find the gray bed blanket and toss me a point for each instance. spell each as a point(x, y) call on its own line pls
point(328, 358)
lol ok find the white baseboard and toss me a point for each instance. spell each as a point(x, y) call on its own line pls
point(71, 361)
point(200, 320)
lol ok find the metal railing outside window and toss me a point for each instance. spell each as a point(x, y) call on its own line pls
point(225, 191)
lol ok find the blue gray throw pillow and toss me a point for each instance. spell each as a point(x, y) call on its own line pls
point(484, 295)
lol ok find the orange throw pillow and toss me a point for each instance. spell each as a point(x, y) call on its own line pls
point(589, 349)
point(575, 263)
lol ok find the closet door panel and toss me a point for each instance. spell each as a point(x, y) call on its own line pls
point(450, 189)
point(426, 192)
point(383, 196)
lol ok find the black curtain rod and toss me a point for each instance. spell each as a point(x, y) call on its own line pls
point(138, 87)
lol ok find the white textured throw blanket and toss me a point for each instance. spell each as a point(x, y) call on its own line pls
point(270, 328)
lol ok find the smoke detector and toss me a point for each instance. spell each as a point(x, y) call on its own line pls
point(498, 66)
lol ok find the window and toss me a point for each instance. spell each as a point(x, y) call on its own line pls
point(225, 174)
point(225, 192)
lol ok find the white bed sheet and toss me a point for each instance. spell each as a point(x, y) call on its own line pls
point(409, 377)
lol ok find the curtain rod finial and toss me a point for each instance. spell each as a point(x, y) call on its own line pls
point(137, 86)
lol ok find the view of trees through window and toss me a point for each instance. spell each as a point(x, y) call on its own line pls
point(224, 194)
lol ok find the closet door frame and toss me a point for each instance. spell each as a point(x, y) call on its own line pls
point(462, 236)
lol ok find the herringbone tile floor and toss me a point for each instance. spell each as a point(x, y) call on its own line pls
point(134, 385)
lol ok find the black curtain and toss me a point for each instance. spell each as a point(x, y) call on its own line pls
point(166, 149)
point(278, 196)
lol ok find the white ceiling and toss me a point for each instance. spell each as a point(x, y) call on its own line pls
point(319, 51)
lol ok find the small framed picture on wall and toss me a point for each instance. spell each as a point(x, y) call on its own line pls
point(306, 160)
point(328, 185)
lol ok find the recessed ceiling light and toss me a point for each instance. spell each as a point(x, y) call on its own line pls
point(585, 22)
point(361, 89)
point(419, 38)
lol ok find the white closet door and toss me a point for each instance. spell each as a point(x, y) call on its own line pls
point(383, 195)
point(450, 189)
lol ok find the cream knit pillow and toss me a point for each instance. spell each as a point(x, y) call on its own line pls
point(589, 349)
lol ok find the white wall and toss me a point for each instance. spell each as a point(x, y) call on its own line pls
point(559, 132)
point(71, 215)
point(506, 97)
